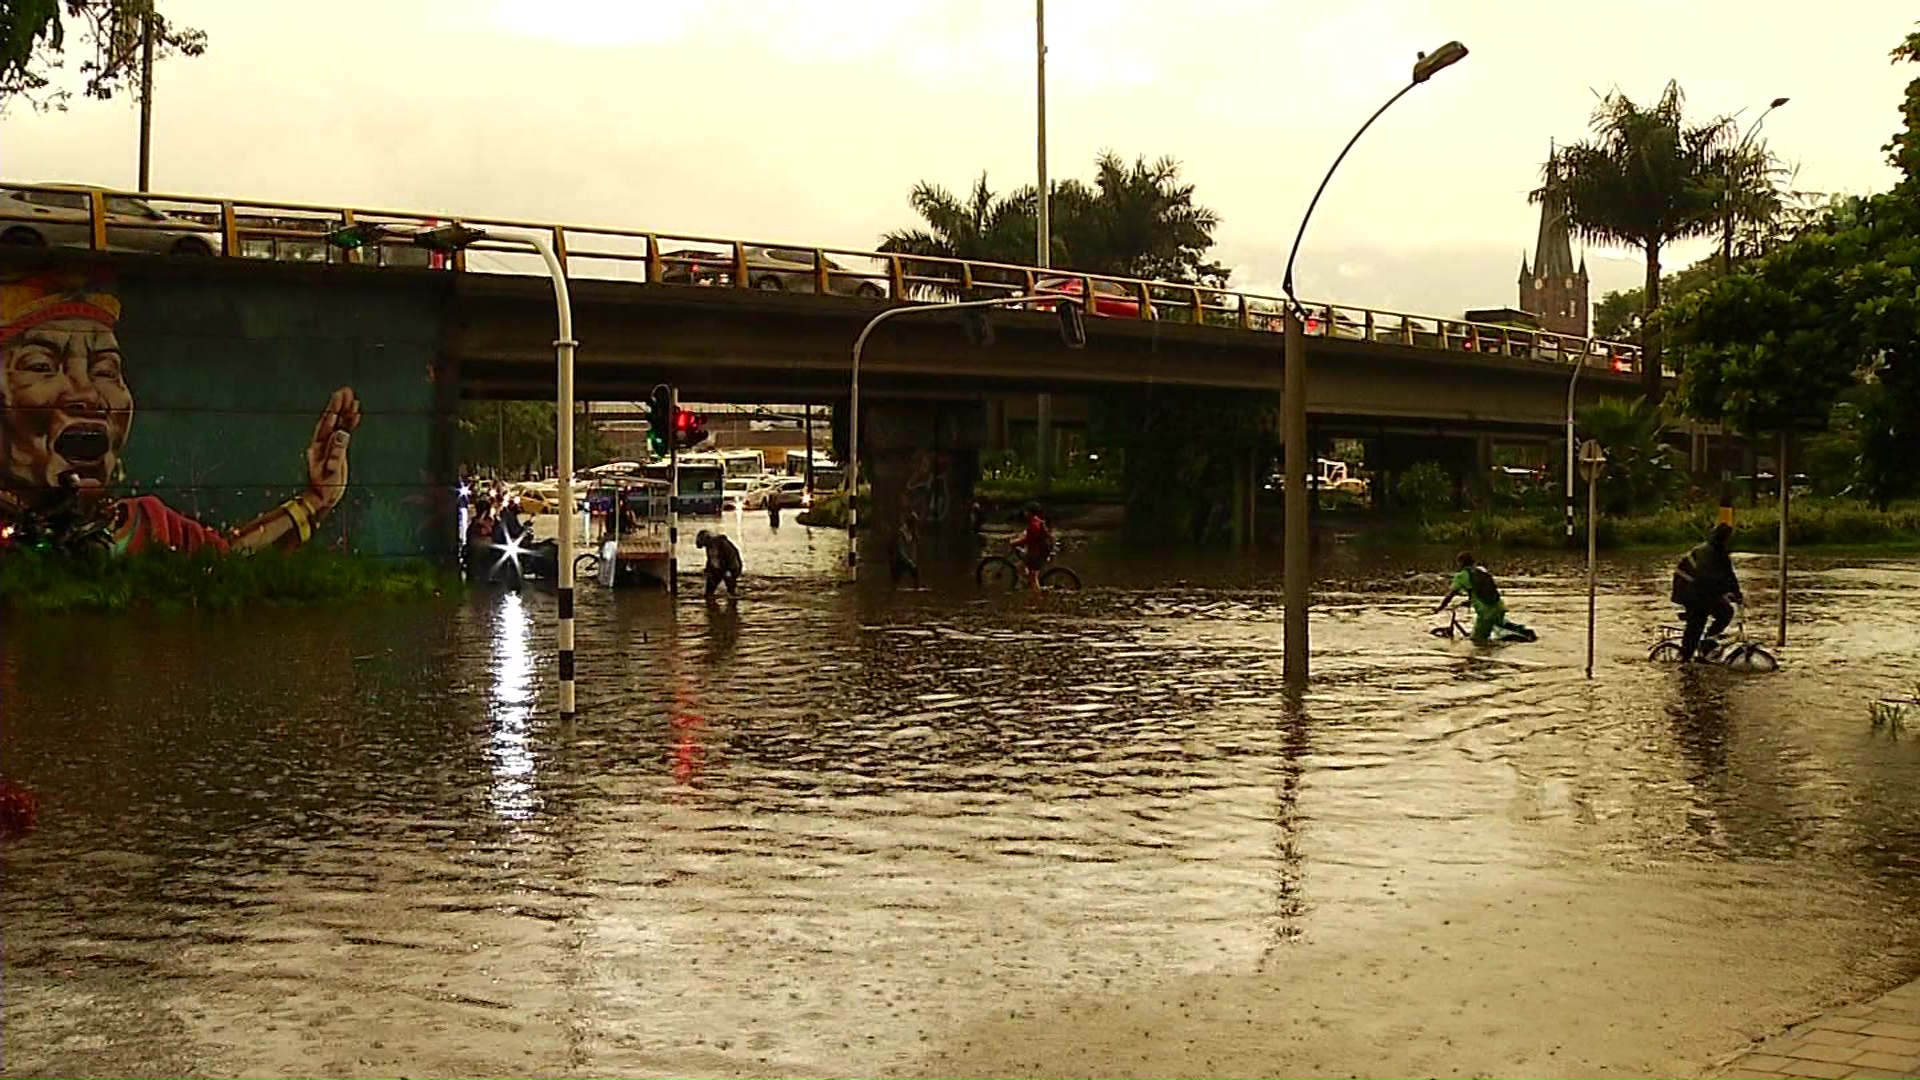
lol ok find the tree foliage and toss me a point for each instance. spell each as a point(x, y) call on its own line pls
point(1645, 179)
point(519, 437)
point(34, 35)
point(1642, 471)
point(1135, 220)
point(1773, 347)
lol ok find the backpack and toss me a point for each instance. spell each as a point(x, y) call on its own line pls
point(1484, 590)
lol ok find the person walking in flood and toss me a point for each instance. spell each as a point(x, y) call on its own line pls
point(1489, 611)
point(723, 562)
point(773, 510)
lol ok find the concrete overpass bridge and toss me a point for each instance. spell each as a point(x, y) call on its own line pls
point(732, 320)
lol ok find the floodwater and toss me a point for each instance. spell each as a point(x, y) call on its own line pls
point(842, 832)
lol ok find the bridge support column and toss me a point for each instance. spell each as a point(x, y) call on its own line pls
point(918, 457)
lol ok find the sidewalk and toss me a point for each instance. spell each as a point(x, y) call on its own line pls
point(1878, 1038)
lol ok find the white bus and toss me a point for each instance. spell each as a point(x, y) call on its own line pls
point(797, 464)
point(747, 463)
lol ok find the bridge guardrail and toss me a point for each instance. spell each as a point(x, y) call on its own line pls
point(107, 220)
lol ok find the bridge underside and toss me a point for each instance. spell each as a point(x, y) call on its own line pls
point(737, 346)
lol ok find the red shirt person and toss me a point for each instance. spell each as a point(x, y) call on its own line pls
point(66, 408)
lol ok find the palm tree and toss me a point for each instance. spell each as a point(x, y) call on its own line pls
point(1135, 220)
point(1645, 179)
point(1140, 221)
point(986, 227)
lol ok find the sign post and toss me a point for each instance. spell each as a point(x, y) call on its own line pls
point(1593, 461)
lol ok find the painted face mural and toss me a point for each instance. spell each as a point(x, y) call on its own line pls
point(67, 408)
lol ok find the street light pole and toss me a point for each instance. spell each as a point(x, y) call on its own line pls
point(1726, 198)
point(1296, 468)
point(563, 349)
point(1066, 308)
point(1579, 364)
point(1043, 239)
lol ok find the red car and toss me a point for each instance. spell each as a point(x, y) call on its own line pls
point(1110, 298)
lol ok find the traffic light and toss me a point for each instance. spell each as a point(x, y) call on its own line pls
point(659, 426)
point(690, 429)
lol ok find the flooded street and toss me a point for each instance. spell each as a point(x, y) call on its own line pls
point(854, 832)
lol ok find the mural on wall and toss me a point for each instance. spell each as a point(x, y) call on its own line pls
point(71, 383)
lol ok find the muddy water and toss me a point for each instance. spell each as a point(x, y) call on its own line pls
point(831, 832)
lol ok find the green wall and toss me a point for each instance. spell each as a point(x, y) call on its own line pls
point(230, 367)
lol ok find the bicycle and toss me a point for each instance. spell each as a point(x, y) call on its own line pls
point(1005, 572)
point(1735, 652)
point(1456, 629)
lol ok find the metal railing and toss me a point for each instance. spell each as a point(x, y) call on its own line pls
point(106, 220)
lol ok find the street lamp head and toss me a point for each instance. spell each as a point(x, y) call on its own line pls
point(1777, 102)
point(448, 239)
point(1426, 65)
point(357, 235)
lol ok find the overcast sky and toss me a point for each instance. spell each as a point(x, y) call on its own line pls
point(808, 120)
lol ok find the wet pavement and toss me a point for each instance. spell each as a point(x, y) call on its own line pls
point(852, 832)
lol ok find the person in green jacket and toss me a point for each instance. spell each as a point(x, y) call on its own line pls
point(1489, 611)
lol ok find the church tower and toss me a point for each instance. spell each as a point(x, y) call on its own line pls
point(1553, 288)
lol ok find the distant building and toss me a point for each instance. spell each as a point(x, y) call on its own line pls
point(1553, 288)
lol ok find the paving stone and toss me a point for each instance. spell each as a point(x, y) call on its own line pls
point(1823, 1052)
point(1878, 1074)
point(1887, 1044)
point(1835, 1022)
point(1824, 1037)
point(1820, 1070)
point(1856, 1009)
point(1873, 1059)
point(1767, 1062)
point(1898, 1031)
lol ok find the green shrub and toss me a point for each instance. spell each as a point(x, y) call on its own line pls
point(1810, 521)
point(33, 581)
point(1425, 489)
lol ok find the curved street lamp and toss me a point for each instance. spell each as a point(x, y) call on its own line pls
point(1295, 466)
point(1726, 199)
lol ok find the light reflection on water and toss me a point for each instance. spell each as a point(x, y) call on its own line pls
point(840, 832)
point(512, 706)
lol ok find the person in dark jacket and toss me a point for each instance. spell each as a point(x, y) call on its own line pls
point(723, 562)
point(1706, 588)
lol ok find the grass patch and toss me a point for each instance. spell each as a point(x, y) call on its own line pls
point(169, 581)
point(1812, 522)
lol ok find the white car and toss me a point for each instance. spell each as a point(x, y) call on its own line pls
point(788, 491)
point(734, 492)
point(60, 215)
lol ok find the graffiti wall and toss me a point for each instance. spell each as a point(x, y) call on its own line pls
point(226, 413)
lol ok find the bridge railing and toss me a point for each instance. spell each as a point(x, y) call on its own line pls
point(103, 220)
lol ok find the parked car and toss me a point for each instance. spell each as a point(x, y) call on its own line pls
point(734, 491)
point(771, 269)
point(786, 492)
point(60, 215)
point(1110, 298)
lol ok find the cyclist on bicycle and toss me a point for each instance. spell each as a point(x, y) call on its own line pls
point(1035, 545)
point(1706, 588)
point(1489, 611)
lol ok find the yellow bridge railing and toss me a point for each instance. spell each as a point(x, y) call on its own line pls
point(191, 225)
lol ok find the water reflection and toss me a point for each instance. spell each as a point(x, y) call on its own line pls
point(510, 712)
point(838, 831)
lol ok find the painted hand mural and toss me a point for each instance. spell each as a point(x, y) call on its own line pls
point(66, 409)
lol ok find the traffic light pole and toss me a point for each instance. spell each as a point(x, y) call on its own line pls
point(673, 491)
point(1072, 328)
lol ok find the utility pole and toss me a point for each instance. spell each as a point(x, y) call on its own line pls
point(1043, 239)
point(146, 100)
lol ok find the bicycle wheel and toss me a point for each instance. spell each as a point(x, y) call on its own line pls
point(1751, 658)
point(586, 566)
point(997, 572)
point(1061, 579)
point(1667, 652)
